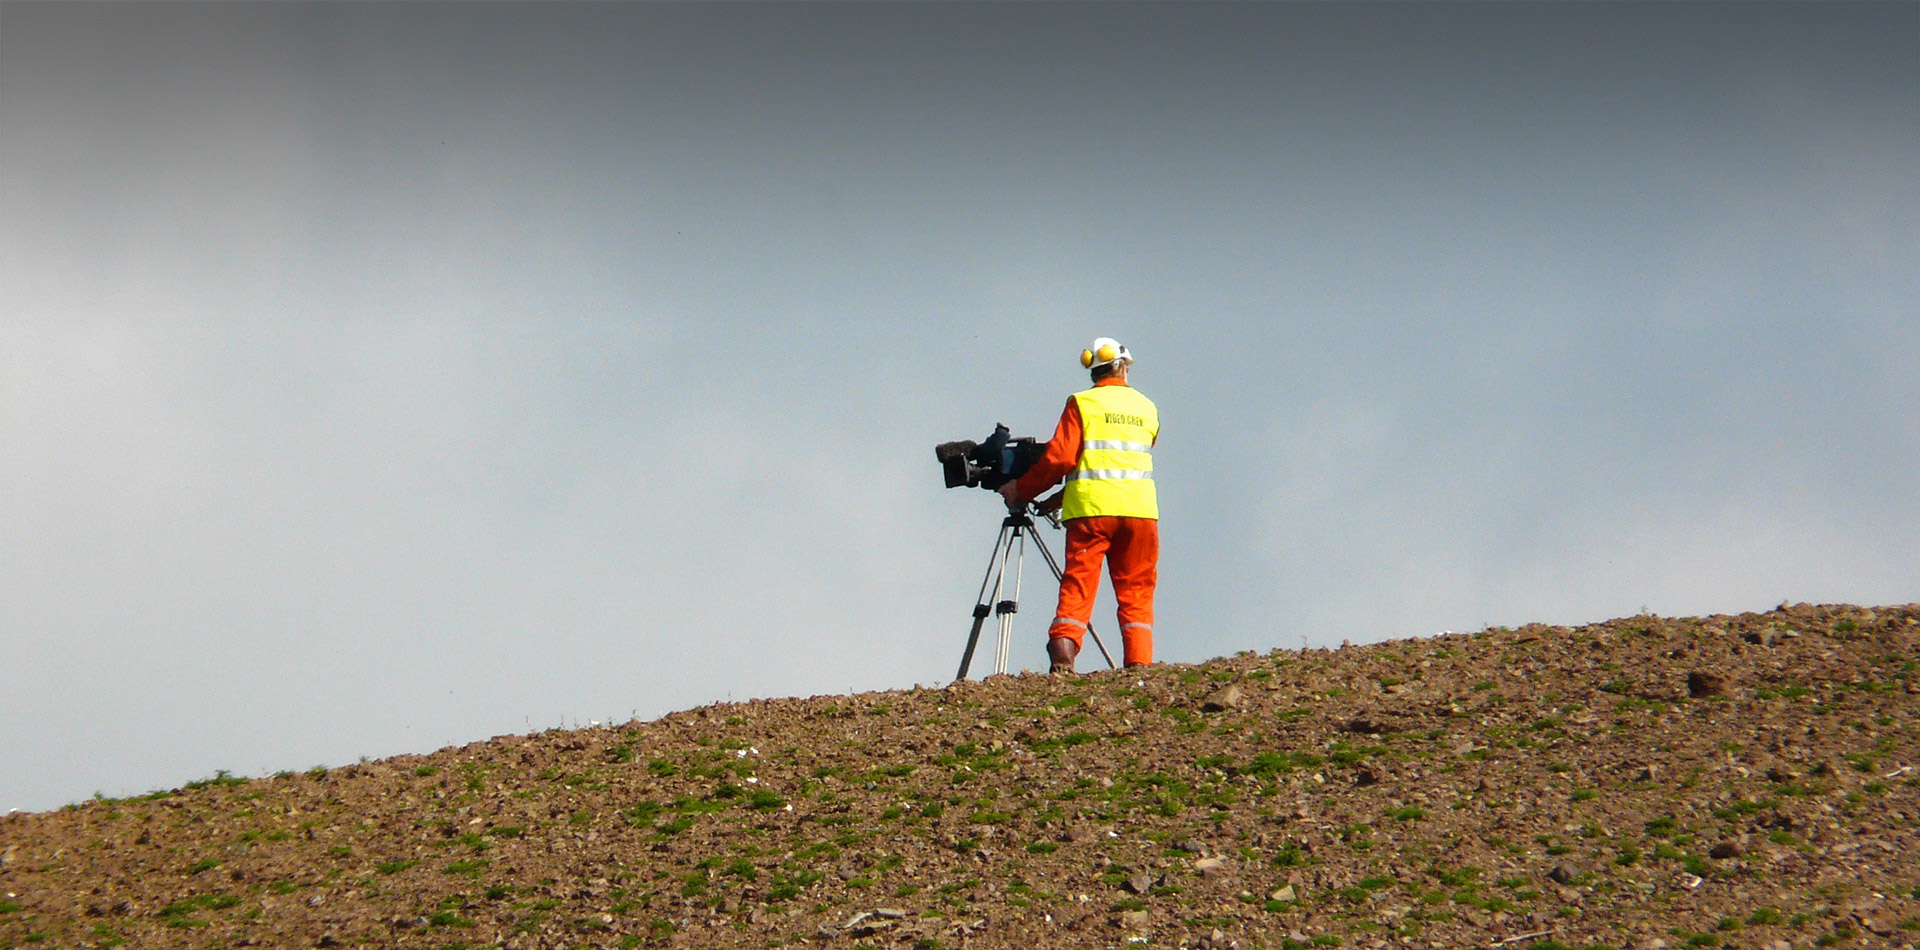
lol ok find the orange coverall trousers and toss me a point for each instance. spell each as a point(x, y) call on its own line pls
point(1131, 548)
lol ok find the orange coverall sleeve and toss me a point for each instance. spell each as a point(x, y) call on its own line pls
point(1063, 453)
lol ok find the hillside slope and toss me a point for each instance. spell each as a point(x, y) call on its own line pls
point(1725, 781)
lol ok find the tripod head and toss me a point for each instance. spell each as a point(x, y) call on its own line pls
point(1048, 509)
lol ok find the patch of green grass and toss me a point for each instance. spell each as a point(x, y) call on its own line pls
point(220, 779)
point(177, 914)
point(1067, 741)
point(470, 867)
point(676, 825)
point(394, 867)
point(1764, 916)
point(1745, 807)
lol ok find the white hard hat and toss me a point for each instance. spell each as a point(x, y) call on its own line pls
point(1103, 351)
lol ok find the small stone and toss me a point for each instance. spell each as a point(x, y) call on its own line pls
point(1135, 919)
point(1222, 699)
point(1647, 773)
point(1210, 867)
point(1284, 894)
point(1366, 775)
point(1723, 851)
point(1701, 683)
point(1561, 874)
point(1140, 883)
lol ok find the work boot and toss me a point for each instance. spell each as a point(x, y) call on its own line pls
point(1062, 651)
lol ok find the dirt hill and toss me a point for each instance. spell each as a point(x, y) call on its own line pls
point(1731, 781)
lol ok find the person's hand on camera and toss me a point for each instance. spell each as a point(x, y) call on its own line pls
point(1011, 492)
point(1050, 506)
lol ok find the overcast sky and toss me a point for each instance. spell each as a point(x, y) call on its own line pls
point(375, 377)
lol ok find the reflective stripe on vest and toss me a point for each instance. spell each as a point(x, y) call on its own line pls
point(1078, 474)
point(1114, 474)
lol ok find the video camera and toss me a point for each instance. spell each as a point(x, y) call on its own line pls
point(989, 464)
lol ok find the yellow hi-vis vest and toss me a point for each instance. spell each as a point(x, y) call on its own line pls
point(1115, 472)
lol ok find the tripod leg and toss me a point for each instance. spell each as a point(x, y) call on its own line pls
point(996, 568)
point(1055, 566)
point(1007, 608)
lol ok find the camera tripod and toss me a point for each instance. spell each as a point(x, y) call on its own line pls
point(1011, 546)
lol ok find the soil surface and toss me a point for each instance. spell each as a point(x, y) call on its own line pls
point(1728, 781)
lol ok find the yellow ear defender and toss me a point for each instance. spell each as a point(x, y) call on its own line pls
point(1105, 354)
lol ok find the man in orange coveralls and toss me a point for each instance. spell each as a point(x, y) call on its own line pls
point(1103, 447)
